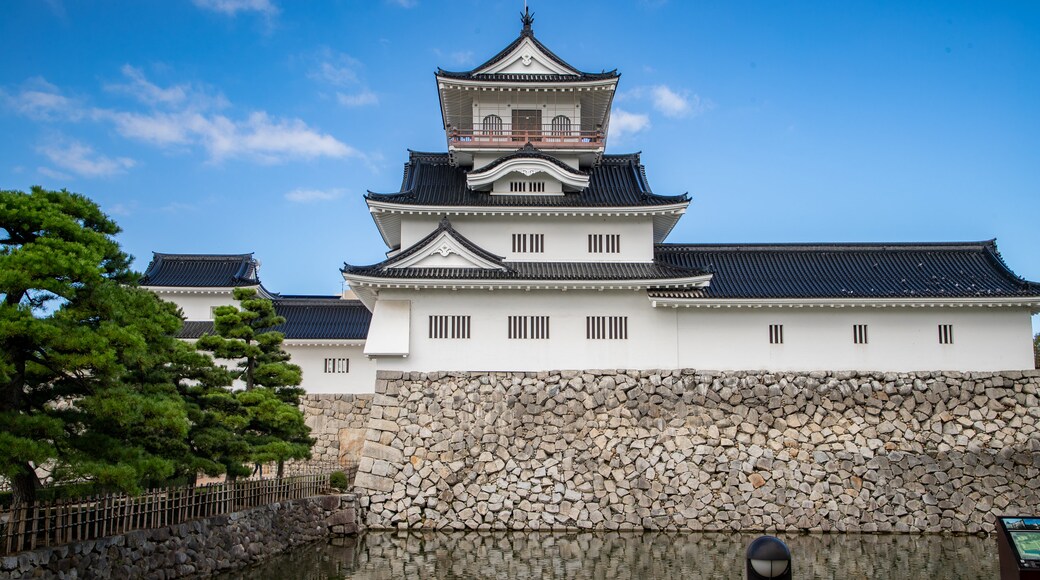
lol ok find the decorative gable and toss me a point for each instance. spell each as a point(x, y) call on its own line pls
point(446, 248)
point(527, 58)
point(527, 172)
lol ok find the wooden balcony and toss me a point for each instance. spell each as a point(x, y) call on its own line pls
point(516, 138)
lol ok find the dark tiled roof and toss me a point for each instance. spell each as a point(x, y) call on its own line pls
point(547, 271)
point(538, 271)
point(307, 318)
point(932, 270)
point(616, 181)
point(201, 270)
point(323, 318)
point(195, 328)
point(527, 33)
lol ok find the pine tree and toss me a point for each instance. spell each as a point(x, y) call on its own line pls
point(271, 396)
point(85, 384)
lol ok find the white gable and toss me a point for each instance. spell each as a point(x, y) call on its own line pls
point(444, 251)
point(527, 58)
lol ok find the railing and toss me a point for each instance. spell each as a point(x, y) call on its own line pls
point(53, 523)
point(547, 138)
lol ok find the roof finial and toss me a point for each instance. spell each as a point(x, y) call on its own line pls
point(527, 18)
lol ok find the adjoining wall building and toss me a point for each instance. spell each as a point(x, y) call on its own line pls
point(525, 247)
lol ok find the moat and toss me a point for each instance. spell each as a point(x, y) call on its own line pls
point(535, 555)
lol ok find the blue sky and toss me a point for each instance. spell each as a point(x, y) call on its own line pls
point(257, 125)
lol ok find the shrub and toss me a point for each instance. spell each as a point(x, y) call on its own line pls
point(338, 480)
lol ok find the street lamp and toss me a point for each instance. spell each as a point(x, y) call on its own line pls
point(768, 557)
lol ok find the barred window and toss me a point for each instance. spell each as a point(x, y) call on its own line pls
point(606, 327)
point(604, 243)
point(492, 125)
point(528, 243)
point(528, 327)
point(776, 334)
point(945, 334)
point(859, 333)
point(561, 125)
point(337, 365)
point(449, 326)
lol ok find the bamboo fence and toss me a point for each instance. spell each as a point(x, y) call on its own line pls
point(28, 526)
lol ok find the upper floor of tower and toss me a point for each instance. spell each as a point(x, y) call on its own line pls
point(526, 94)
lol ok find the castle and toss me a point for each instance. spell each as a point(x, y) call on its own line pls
point(526, 247)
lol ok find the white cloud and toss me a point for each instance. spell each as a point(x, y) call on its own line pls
point(669, 102)
point(624, 123)
point(233, 7)
point(53, 174)
point(146, 91)
point(361, 99)
point(42, 101)
point(336, 68)
point(677, 104)
point(311, 195)
point(180, 116)
point(82, 160)
point(183, 95)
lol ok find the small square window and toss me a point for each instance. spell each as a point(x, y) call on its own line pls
point(859, 333)
point(776, 334)
point(945, 334)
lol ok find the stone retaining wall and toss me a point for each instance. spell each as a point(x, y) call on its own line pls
point(701, 450)
point(200, 547)
point(338, 423)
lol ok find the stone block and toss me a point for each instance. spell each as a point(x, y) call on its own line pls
point(375, 450)
point(383, 425)
point(373, 482)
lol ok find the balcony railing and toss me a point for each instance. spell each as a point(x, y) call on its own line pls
point(514, 138)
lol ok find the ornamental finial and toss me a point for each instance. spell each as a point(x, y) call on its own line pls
point(527, 19)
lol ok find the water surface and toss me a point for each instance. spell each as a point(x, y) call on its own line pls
point(610, 555)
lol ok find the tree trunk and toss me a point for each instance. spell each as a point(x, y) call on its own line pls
point(25, 484)
point(281, 468)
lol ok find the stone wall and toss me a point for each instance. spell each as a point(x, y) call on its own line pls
point(701, 450)
point(199, 547)
point(338, 423)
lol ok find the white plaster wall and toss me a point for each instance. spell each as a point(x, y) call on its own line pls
point(311, 359)
point(198, 306)
point(566, 238)
point(651, 332)
point(899, 339)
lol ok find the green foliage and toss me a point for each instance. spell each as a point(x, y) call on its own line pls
point(93, 383)
point(338, 480)
point(274, 428)
point(72, 336)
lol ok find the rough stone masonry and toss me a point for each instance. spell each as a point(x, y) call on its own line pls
point(701, 450)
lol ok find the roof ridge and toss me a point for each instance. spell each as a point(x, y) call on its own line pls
point(980, 245)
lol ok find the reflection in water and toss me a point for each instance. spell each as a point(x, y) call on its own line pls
point(674, 556)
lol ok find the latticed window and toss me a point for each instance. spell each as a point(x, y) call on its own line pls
point(776, 334)
point(449, 326)
point(528, 327)
point(337, 365)
point(859, 333)
point(561, 125)
point(945, 334)
point(492, 125)
point(606, 327)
